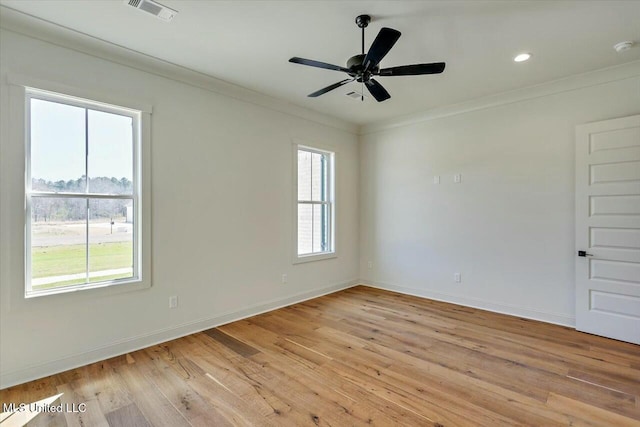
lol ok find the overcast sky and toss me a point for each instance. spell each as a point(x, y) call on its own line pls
point(58, 143)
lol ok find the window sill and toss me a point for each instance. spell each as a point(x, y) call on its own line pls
point(124, 285)
point(314, 257)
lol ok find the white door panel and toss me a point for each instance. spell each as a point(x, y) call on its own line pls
point(614, 155)
point(615, 205)
point(615, 238)
point(608, 228)
point(606, 173)
point(614, 270)
point(607, 302)
point(614, 139)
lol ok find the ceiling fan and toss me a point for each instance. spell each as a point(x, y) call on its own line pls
point(363, 67)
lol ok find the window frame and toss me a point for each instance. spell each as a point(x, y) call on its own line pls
point(331, 202)
point(139, 265)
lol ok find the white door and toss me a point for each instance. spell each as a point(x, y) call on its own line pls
point(608, 228)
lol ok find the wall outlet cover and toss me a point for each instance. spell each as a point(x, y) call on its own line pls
point(173, 302)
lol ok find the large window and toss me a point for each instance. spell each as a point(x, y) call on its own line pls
point(83, 191)
point(315, 205)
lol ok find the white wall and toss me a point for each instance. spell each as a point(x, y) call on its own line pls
point(221, 217)
point(508, 227)
point(222, 206)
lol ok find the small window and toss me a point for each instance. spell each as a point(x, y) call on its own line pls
point(83, 191)
point(315, 204)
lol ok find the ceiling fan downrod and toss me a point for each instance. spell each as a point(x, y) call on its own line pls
point(362, 21)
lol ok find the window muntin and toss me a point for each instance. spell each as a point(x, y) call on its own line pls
point(81, 232)
point(315, 204)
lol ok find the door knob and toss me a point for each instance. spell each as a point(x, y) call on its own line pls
point(584, 253)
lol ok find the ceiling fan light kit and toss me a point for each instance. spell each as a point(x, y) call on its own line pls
point(363, 67)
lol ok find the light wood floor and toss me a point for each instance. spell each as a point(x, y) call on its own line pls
point(357, 357)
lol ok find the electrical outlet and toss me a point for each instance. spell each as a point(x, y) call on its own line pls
point(436, 179)
point(173, 302)
point(284, 278)
point(457, 277)
point(457, 178)
point(369, 264)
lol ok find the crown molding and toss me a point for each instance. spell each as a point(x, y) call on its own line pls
point(49, 32)
point(21, 23)
point(625, 71)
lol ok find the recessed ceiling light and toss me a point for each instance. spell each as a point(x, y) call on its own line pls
point(522, 57)
point(622, 46)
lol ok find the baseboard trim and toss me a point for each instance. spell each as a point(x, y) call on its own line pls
point(511, 310)
point(128, 345)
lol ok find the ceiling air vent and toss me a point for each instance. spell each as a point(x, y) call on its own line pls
point(353, 94)
point(156, 9)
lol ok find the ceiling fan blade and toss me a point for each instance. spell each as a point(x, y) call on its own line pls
point(376, 89)
point(317, 64)
point(329, 88)
point(382, 44)
point(413, 70)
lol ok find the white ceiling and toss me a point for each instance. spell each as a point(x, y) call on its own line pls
point(248, 43)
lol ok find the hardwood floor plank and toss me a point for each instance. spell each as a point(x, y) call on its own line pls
point(589, 413)
point(421, 406)
point(237, 380)
point(342, 402)
point(234, 344)
point(99, 382)
point(629, 387)
point(177, 391)
point(127, 416)
point(359, 357)
point(93, 415)
point(31, 391)
point(155, 407)
point(266, 340)
point(56, 419)
point(234, 410)
point(458, 387)
point(350, 399)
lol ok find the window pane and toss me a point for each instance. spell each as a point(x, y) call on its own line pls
point(318, 177)
point(305, 225)
point(58, 242)
point(325, 178)
point(320, 228)
point(304, 175)
point(110, 239)
point(57, 147)
point(110, 153)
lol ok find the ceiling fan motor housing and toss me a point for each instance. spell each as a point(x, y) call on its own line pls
point(356, 67)
point(355, 61)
